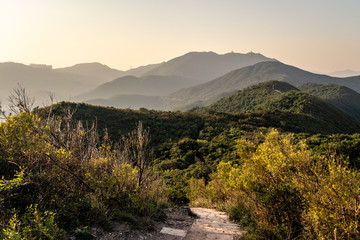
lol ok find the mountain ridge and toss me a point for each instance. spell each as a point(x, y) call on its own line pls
point(251, 75)
point(205, 66)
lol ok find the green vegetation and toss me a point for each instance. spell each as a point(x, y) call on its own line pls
point(57, 176)
point(275, 96)
point(282, 190)
point(164, 126)
point(70, 166)
point(250, 98)
point(346, 99)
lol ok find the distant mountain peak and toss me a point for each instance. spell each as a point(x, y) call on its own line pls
point(90, 65)
point(205, 66)
point(94, 69)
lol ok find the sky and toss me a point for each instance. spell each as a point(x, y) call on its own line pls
point(316, 35)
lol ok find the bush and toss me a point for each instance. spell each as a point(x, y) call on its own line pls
point(58, 167)
point(33, 225)
point(282, 190)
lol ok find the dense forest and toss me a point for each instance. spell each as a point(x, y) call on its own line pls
point(285, 166)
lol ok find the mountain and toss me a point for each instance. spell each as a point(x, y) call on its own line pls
point(40, 80)
point(147, 85)
point(139, 71)
point(345, 73)
point(280, 98)
point(239, 79)
point(342, 97)
point(94, 70)
point(205, 66)
point(104, 73)
point(165, 78)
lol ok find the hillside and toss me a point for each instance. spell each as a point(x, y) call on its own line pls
point(148, 85)
point(205, 66)
point(96, 70)
point(274, 96)
point(250, 98)
point(40, 81)
point(239, 79)
point(342, 97)
point(304, 103)
point(139, 71)
point(164, 125)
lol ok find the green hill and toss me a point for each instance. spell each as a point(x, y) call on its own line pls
point(249, 98)
point(166, 127)
point(276, 97)
point(342, 97)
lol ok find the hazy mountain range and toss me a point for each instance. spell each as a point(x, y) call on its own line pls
point(211, 91)
point(204, 66)
point(194, 79)
point(185, 71)
point(155, 79)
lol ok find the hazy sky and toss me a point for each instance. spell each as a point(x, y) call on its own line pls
point(318, 35)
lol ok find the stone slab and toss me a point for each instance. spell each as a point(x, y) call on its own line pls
point(173, 231)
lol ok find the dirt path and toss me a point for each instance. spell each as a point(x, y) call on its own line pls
point(182, 224)
point(212, 225)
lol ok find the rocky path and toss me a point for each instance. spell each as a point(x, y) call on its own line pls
point(210, 224)
point(185, 224)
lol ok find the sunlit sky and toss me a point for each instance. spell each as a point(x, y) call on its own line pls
point(316, 35)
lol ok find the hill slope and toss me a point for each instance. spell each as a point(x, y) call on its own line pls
point(139, 71)
point(42, 80)
point(274, 96)
point(239, 79)
point(250, 98)
point(148, 85)
point(342, 97)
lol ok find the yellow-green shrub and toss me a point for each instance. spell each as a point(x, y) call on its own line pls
point(283, 191)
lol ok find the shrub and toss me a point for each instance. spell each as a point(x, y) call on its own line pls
point(282, 190)
point(33, 225)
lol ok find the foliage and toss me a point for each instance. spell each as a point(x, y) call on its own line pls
point(33, 225)
point(275, 97)
point(250, 98)
point(164, 126)
point(273, 184)
point(56, 174)
point(282, 190)
point(342, 97)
